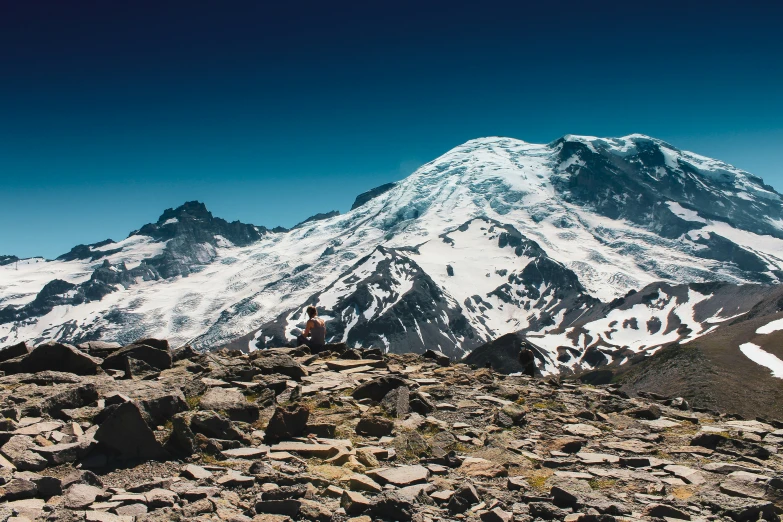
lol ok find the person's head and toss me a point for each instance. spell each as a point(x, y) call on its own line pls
point(311, 311)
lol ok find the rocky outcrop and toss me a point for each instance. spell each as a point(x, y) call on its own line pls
point(369, 436)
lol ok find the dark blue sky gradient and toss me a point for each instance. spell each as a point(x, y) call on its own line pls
point(112, 111)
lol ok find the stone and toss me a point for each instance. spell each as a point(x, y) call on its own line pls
point(646, 412)
point(517, 484)
point(374, 426)
point(411, 443)
point(79, 496)
point(482, 468)
point(136, 369)
point(439, 357)
point(195, 472)
point(131, 510)
point(568, 444)
point(18, 489)
point(354, 503)
point(235, 479)
point(287, 422)
point(496, 515)
point(103, 516)
point(212, 425)
point(403, 475)
point(743, 488)
point(13, 351)
point(665, 511)
point(57, 454)
point(367, 457)
point(280, 364)
point(342, 365)
point(232, 402)
point(546, 511)
point(397, 402)
point(127, 435)
point(378, 388)
point(689, 475)
point(582, 430)
point(156, 357)
point(19, 451)
point(246, 453)
point(53, 356)
point(390, 505)
point(159, 497)
point(322, 451)
point(198, 507)
point(162, 408)
point(358, 482)
point(463, 498)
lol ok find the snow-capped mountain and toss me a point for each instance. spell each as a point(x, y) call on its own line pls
point(597, 249)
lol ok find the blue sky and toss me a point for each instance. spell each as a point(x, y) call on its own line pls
point(111, 112)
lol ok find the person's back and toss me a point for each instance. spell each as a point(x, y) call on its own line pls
point(317, 331)
point(528, 361)
point(314, 335)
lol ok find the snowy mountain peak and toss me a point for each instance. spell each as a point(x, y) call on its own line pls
point(497, 235)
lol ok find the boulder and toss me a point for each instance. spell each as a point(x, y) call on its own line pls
point(18, 489)
point(378, 388)
point(74, 397)
point(128, 436)
point(214, 425)
point(136, 369)
point(19, 451)
point(374, 426)
point(463, 498)
point(391, 505)
point(280, 363)
point(287, 422)
point(79, 496)
point(354, 503)
point(16, 350)
point(155, 357)
point(437, 356)
point(231, 401)
point(397, 402)
point(53, 356)
point(162, 409)
point(482, 468)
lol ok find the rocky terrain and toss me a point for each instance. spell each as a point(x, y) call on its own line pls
point(102, 432)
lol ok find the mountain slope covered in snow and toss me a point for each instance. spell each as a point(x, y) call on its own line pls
point(597, 249)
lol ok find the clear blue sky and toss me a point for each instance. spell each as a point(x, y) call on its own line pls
point(112, 111)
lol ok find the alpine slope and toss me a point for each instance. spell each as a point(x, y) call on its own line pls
point(596, 249)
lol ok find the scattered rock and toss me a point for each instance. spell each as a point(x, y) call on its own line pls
point(287, 422)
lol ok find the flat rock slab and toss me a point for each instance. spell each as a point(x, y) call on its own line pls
point(630, 446)
point(490, 398)
point(597, 458)
point(303, 448)
point(38, 428)
point(482, 468)
point(246, 453)
point(348, 364)
point(402, 476)
point(694, 450)
point(660, 424)
point(196, 472)
point(689, 475)
point(582, 430)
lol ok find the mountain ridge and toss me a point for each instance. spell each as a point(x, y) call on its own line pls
point(495, 236)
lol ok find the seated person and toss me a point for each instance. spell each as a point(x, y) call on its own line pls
point(314, 335)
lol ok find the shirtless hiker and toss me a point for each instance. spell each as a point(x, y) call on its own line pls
point(314, 335)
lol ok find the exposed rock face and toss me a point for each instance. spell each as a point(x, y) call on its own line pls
point(354, 438)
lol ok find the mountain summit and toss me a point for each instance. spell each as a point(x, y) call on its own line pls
point(597, 249)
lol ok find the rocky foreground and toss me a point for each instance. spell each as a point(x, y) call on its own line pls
point(108, 433)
